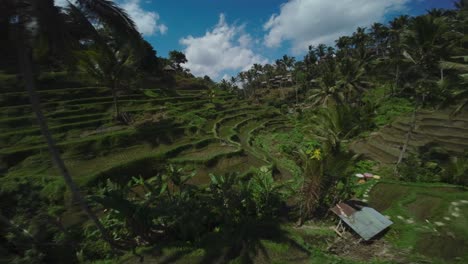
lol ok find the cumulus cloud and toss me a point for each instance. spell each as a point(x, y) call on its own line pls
point(146, 21)
point(306, 22)
point(224, 48)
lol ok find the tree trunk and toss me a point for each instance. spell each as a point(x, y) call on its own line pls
point(116, 104)
point(297, 98)
point(26, 67)
point(407, 140)
point(397, 75)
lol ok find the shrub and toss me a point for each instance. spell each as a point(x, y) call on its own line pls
point(414, 169)
point(391, 109)
point(364, 166)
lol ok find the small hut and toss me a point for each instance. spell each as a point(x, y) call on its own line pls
point(364, 220)
point(169, 69)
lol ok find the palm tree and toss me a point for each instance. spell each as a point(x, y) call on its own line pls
point(321, 50)
point(110, 65)
point(461, 4)
point(311, 57)
point(340, 83)
point(269, 71)
point(233, 83)
point(343, 42)
point(327, 92)
point(242, 77)
point(288, 62)
point(459, 94)
point(360, 40)
point(379, 33)
point(424, 41)
point(425, 46)
point(332, 126)
point(397, 26)
point(351, 79)
point(325, 95)
point(280, 66)
point(29, 18)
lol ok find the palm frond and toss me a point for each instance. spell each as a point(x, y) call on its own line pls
point(448, 65)
point(112, 16)
point(80, 19)
point(52, 23)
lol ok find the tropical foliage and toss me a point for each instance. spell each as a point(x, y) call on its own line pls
point(315, 107)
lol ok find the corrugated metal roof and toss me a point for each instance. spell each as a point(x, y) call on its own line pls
point(168, 68)
point(365, 221)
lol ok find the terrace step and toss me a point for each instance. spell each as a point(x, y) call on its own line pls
point(373, 152)
point(439, 128)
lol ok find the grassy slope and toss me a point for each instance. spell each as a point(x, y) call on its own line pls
point(429, 219)
point(232, 136)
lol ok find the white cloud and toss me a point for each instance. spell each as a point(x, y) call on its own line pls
point(146, 21)
point(306, 22)
point(226, 77)
point(224, 48)
point(61, 2)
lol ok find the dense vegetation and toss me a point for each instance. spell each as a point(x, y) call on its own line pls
point(110, 156)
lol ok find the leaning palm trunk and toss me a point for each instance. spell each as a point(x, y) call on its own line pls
point(311, 195)
point(397, 73)
point(310, 189)
point(116, 103)
point(26, 66)
point(407, 140)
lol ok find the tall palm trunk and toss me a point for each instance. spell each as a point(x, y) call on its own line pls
point(397, 75)
point(26, 68)
point(116, 103)
point(297, 96)
point(407, 140)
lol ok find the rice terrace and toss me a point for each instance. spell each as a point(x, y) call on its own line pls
point(277, 132)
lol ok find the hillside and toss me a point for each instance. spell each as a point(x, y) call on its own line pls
point(117, 148)
point(437, 130)
point(188, 128)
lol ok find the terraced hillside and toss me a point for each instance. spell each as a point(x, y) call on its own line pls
point(187, 128)
point(432, 129)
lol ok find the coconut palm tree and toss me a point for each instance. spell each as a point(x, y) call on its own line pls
point(340, 82)
point(327, 92)
point(30, 18)
point(110, 65)
point(280, 66)
point(351, 80)
point(397, 26)
point(461, 4)
point(311, 57)
point(379, 34)
point(321, 50)
point(325, 95)
point(332, 126)
point(288, 62)
point(459, 94)
point(269, 71)
point(425, 43)
point(360, 40)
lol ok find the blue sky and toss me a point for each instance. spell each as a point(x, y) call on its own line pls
point(222, 37)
